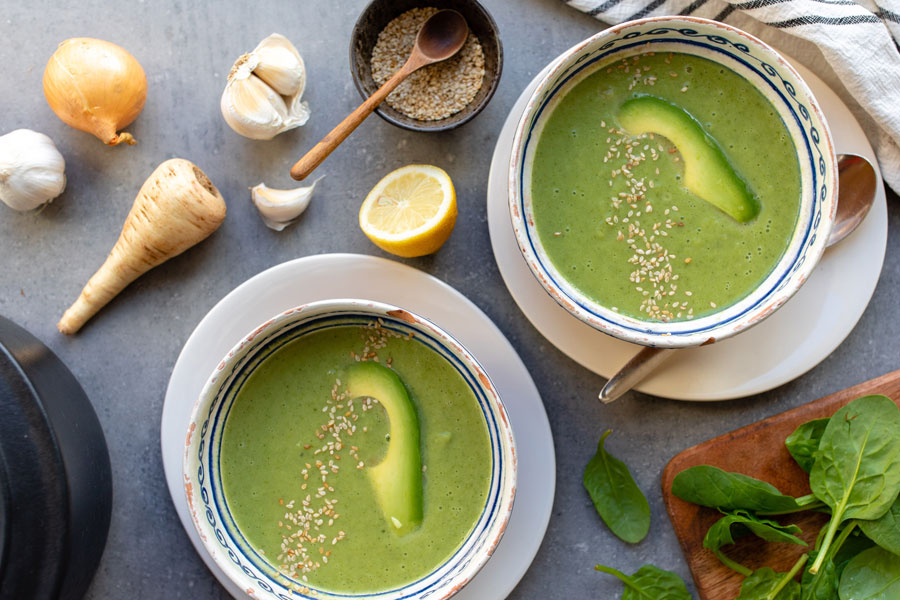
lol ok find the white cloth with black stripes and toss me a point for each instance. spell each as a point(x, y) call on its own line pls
point(851, 45)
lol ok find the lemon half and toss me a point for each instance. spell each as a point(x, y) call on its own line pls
point(411, 211)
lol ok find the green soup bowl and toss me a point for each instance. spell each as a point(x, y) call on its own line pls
point(254, 571)
point(766, 71)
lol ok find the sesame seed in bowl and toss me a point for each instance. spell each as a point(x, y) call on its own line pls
point(440, 96)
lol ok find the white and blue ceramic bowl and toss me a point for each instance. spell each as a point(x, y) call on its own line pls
point(776, 80)
point(202, 477)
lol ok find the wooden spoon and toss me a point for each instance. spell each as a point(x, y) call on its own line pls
point(857, 186)
point(440, 37)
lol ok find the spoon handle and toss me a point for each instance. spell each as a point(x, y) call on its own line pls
point(635, 370)
point(312, 159)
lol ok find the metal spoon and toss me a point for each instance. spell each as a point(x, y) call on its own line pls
point(440, 37)
point(856, 192)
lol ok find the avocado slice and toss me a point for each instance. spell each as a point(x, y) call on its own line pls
point(397, 479)
point(707, 172)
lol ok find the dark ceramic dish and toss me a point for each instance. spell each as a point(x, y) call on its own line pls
point(381, 12)
point(55, 478)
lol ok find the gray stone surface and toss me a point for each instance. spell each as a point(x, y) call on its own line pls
point(123, 358)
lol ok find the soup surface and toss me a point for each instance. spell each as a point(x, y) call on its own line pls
point(296, 450)
point(614, 215)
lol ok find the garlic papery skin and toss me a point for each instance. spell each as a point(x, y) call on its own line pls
point(263, 95)
point(280, 208)
point(32, 171)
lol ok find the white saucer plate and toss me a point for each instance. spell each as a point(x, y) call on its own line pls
point(793, 340)
point(355, 276)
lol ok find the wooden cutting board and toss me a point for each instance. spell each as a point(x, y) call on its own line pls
point(756, 450)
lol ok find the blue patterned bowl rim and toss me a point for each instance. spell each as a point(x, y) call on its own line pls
point(777, 80)
point(203, 487)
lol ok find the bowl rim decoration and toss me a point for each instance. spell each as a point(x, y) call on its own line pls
point(779, 82)
point(202, 479)
point(366, 85)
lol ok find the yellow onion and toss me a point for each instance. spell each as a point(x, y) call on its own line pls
point(95, 86)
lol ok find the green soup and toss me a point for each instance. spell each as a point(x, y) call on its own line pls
point(610, 209)
point(294, 455)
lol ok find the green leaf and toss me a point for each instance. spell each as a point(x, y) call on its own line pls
point(766, 584)
point(710, 486)
point(874, 574)
point(617, 498)
point(763, 582)
point(804, 442)
point(821, 586)
point(739, 523)
point(650, 583)
point(885, 530)
point(857, 467)
point(851, 547)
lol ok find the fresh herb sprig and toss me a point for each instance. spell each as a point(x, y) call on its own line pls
point(853, 460)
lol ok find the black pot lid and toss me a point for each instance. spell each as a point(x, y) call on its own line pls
point(55, 479)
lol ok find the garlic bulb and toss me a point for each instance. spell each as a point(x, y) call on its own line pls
point(32, 171)
point(262, 96)
point(280, 208)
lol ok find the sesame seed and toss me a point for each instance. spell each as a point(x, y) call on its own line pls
point(433, 92)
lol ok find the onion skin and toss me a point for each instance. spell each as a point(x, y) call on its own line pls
point(95, 86)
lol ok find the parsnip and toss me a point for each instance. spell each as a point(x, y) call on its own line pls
point(176, 208)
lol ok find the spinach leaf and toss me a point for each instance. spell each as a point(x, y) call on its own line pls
point(762, 584)
point(821, 586)
point(617, 498)
point(857, 467)
point(711, 486)
point(853, 546)
point(803, 443)
point(874, 574)
point(650, 583)
point(885, 530)
point(846, 545)
point(766, 584)
point(739, 523)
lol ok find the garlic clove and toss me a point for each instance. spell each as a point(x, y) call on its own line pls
point(32, 171)
point(280, 65)
point(280, 208)
point(253, 109)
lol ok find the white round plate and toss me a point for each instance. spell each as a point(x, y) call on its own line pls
point(793, 340)
point(355, 276)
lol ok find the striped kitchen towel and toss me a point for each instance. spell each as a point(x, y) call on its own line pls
point(851, 44)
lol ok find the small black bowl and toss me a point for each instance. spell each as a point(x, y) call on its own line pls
point(375, 18)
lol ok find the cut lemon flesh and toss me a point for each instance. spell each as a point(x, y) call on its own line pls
point(411, 211)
